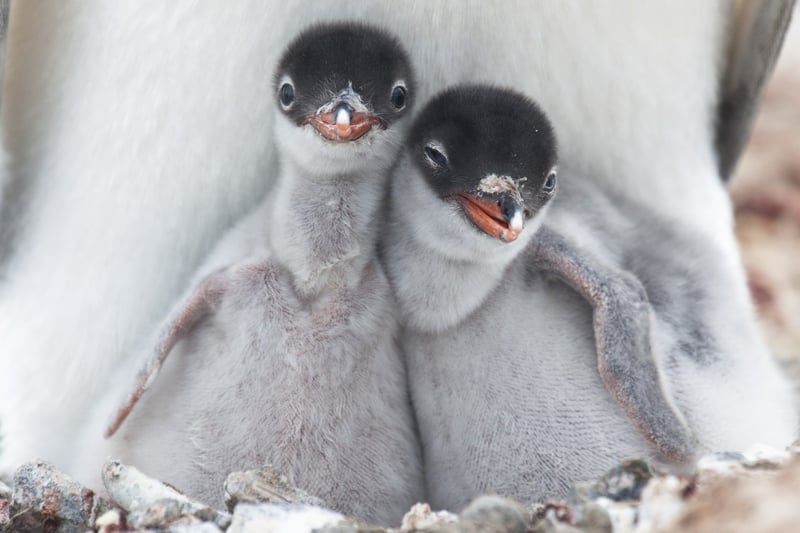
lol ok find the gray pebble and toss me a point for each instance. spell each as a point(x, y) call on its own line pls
point(45, 499)
point(162, 514)
point(554, 517)
point(147, 498)
point(490, 514)
point(794, 448)
point(622, 483)
point(594, 519)
point(5, 505)
point(725, 457)
point(264, 486)
point(5, 513)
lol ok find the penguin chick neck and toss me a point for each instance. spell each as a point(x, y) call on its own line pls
point(323, 228)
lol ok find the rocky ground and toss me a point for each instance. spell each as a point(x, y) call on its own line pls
point(752, 491)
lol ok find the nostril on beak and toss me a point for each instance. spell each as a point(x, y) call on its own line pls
point(508, 207)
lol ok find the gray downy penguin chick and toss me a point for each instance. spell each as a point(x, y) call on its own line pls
point(285, 353)
point(481, 126)
point(512, 392)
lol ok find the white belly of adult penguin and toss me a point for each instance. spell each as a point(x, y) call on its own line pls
point(288, 353)
point(512, 392)
point(138, 133)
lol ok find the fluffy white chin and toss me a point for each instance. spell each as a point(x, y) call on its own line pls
point(317, 156)
point(442, 226)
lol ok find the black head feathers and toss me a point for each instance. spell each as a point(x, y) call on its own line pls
point(469, 132)
point(326, 59)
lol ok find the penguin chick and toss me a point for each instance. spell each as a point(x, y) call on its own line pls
point(503, 363)
point(466, 255)
point(287, 351)
point(502, 179)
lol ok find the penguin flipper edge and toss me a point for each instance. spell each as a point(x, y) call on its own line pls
point(180, 322)
point(622, 320)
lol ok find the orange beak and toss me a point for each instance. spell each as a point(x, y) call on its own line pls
point(497, 216)
point(340, 128)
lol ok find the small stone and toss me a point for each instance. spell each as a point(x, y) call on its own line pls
point(162, 514)
point(5, 505)
point(735, 457)
point(622, 483)
point(763, 457)
point(46, 499)
point(664, 501)
point(593, 518)
point(721, 463)
point(495, 514)
point(5, 491)
point(546, 526)
point(281, 518)
point(794, 448)
point(552, 517)
point(266, 485)
point(5, 514)
point(112, 521)
point(420, 517)
point(139, 494)
point(623, 515)
point(758, 460)
point(556, 511)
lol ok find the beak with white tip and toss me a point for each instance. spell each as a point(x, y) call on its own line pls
point(500, 215)
point(344, 118)
point(343, 115)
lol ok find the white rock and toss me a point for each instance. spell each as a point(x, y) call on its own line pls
point(623, 515)
point(108, 520)
point(135, 492)
point(662, 504)
point(759, 453)
point(420, 517)
point(281, 518)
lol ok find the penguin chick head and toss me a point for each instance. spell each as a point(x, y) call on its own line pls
point(489, 157)
point(342, 89)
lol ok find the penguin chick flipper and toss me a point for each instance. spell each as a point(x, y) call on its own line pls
point(622, 326)
point(181, 320)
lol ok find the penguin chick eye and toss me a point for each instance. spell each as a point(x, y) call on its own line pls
point(399, 93)
point(286, 95)
point(435, 156)
point(550, 182)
